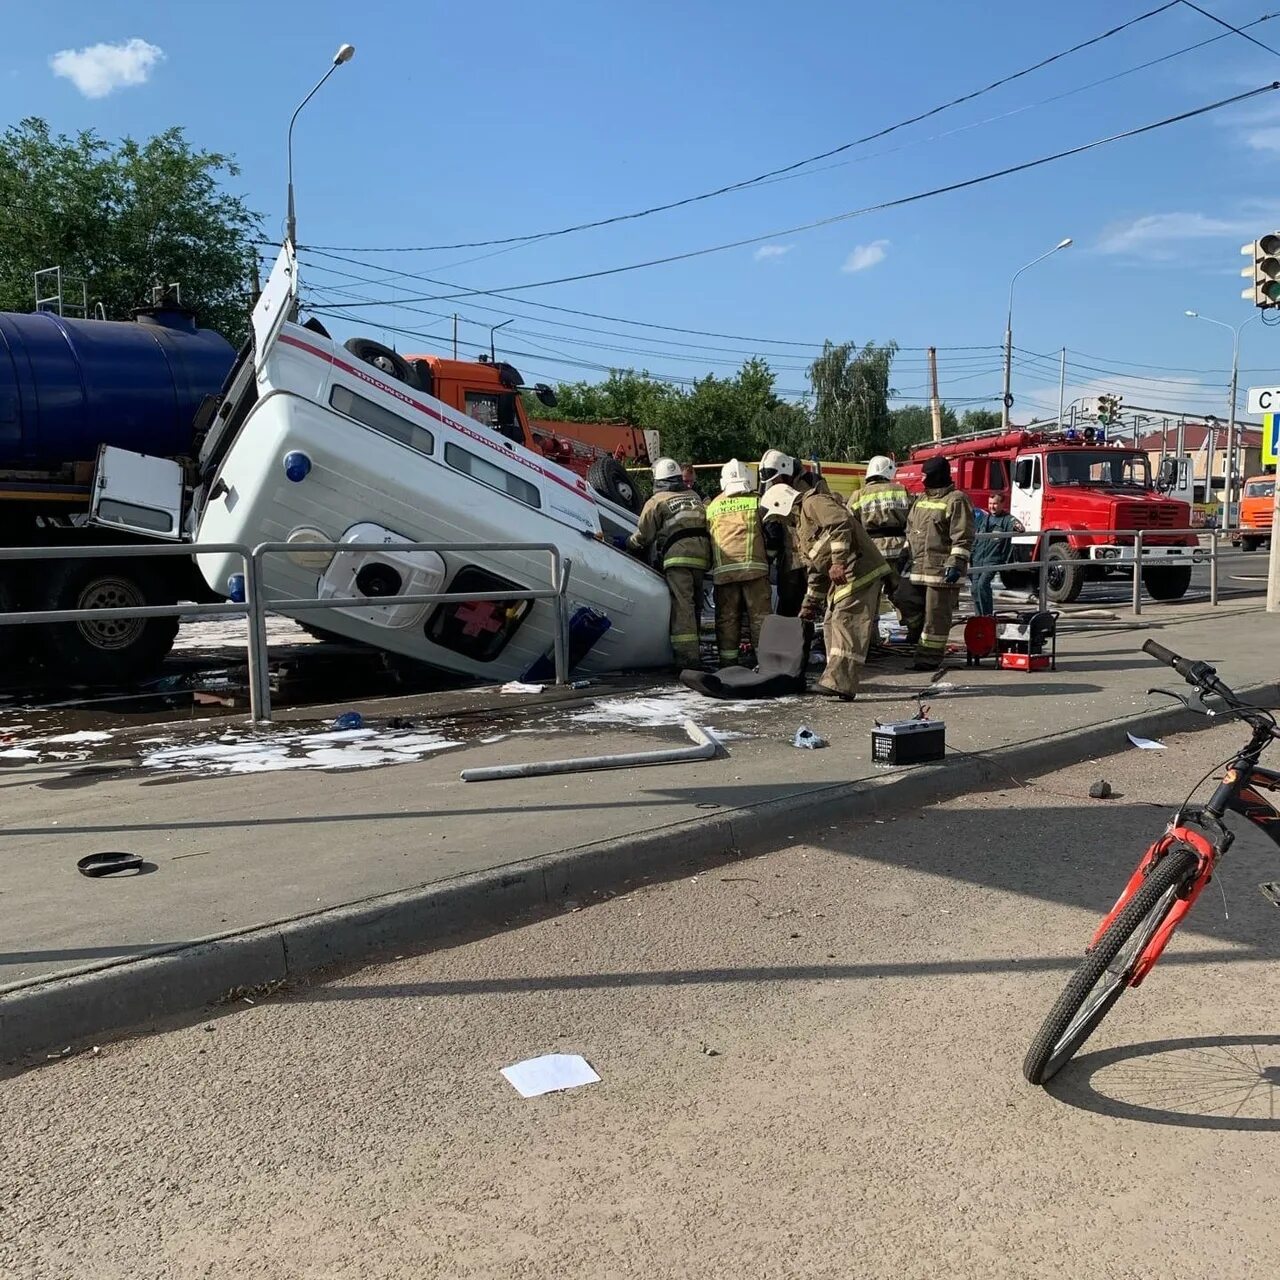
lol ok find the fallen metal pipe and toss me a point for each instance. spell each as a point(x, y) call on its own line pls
point(705, 749)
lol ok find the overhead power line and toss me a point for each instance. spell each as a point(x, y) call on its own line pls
point(784, 169)
point(1023, 167)
point(1240, 31)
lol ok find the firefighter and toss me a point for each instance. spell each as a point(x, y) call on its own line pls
point(673, 530)
point(845, 574)
point(882, 505)
point(777, 467)
point(739, 567)
point(940, 543)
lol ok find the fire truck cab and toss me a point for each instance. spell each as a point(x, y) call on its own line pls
point(1080, 498)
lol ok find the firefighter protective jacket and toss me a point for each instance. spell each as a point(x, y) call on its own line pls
point(940, 534)
point(737, 538)
point(828, 535)
point(882, 506)
point(674, 525)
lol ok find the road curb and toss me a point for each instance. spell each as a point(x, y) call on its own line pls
point(49, 1015)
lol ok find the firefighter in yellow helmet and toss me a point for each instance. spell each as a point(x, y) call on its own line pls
point(739, 567)
point(845, 574)
point(673, 531)
point(940, 537)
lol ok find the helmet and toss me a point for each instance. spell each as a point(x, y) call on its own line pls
point(776, 466)
point(736, 478)
point(778, 500)
point(667, 475)
point(881, 468)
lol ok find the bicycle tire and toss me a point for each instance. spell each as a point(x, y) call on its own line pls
point(1061, 1034)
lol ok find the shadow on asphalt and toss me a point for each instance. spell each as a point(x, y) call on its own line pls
point(1199, 1082)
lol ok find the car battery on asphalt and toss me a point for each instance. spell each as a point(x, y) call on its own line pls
point(908, 742)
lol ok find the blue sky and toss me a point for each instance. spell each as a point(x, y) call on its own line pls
point(461, 123)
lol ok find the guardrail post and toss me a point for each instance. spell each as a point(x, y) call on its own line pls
point(562, 622)
point(1213, 565)
point(259, 670)
point(1137, 572)
point(1042, 600)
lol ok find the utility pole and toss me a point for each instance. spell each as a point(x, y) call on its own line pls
point(455, 335)
point(935, 405)
point(1062, 385)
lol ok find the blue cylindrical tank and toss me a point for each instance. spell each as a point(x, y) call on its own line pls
point(68, 386)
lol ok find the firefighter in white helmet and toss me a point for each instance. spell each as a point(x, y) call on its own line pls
point(845, 574)
point(739, 567)
point(882, 505)
point(776, 468)
point(673, 531)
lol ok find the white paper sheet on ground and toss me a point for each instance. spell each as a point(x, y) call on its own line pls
point(1147, 744)
point(518, 686)
point(549, 1074)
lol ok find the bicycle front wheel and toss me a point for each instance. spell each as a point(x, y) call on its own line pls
point(1099, 981)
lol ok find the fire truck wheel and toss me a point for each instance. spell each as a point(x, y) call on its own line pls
point(1066, 574)
point(1167, 584)
point(113, 651)
point(607, 476)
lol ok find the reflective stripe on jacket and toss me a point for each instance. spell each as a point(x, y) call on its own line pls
point(940, 533)
point(883, 507)
point(828, 535)
point(737, 538)
point(674, 525)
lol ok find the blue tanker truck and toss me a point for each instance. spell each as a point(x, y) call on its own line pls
point(70, 389)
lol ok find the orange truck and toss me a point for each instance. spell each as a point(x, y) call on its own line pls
point(489, 391)
point(1256, 512)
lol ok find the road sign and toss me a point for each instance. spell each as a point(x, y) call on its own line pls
point(1264, 399)
point(1270, 438)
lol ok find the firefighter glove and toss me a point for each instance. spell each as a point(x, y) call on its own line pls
point(951, 577)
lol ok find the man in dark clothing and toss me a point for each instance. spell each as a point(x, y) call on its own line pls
point(991, 551)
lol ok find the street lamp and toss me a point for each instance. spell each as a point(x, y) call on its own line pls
point(1008, 330)
point(1230, 462)
point(345, 53)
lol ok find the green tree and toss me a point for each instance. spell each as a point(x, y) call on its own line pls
point(125, 217)
point(851, 400)
point(980, 420)
point(913, 424)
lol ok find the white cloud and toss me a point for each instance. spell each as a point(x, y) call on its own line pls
point(1162, 235)
point(866, 255)
point(98, 69)
point(1266, 139)
point(766, 251)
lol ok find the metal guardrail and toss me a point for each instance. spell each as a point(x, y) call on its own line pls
point(255, 607)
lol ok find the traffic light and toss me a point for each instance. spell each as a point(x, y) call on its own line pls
point(1264, 271)
point(1109, 409)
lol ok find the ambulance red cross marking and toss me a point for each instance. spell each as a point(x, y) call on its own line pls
point(479, 616)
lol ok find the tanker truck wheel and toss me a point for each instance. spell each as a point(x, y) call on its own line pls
point(115, 650)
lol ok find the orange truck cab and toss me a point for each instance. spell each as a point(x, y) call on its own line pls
point(1257, 504)
point(489, 392)
point(1071, 490)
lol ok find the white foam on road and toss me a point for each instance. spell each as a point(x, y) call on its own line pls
point(296, 749)
point(673, 707)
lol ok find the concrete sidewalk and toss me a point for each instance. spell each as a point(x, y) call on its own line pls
point(354, 860)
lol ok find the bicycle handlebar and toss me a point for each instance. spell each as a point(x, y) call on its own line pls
point(1200, 674)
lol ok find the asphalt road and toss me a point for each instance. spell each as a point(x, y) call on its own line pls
point(810, 1068)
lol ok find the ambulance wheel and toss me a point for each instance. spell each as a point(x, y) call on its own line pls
point(116, 650)
point(608, 477)
point(1065, 573)
point(1167, 584)
point(382, 358)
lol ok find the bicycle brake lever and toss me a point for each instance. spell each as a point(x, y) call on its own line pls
point(1177, 696)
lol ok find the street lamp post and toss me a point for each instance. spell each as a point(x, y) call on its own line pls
point(1230, 463)
point(1007, 403)
point(345, 53)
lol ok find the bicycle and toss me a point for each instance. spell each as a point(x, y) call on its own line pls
point(1168, 879)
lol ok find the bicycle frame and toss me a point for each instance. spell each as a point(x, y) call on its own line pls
point(1238, 792)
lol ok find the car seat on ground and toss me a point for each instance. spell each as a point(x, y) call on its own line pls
point(780, 674)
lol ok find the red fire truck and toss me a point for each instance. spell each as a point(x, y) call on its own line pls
point(1070, 488)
